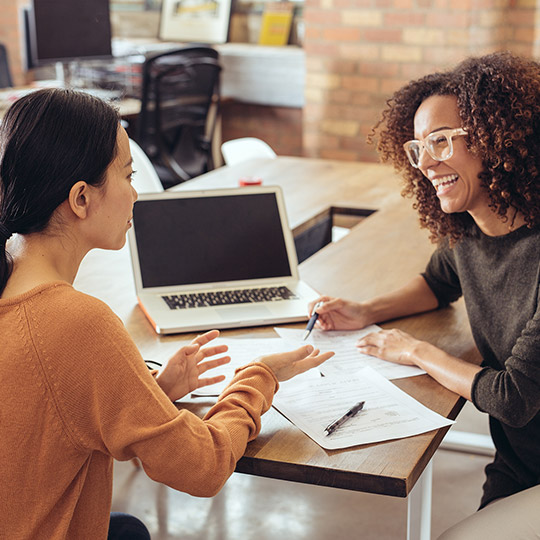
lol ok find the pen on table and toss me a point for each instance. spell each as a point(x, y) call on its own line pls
point(312, 321)
point(340, 421)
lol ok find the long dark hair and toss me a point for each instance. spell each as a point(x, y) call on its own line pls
point(49, 140)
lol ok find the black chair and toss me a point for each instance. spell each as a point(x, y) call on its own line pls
point(5, 74)
point(179, 108)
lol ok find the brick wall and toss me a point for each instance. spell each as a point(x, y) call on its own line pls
point(12, 37)
point(358, 52)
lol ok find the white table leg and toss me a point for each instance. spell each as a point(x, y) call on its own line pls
point(419, 507)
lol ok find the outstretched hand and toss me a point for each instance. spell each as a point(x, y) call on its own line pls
point(182, 373)
point(288, 364)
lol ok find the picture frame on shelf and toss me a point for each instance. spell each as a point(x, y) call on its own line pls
point(205, 21)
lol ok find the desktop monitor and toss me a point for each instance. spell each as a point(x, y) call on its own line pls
point(68, 30)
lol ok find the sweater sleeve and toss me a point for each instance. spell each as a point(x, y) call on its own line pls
point(108, 401)
point(442, 277)
point(512, 395)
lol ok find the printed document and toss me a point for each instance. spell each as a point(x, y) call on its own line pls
point(388, 413)
point(347, 358)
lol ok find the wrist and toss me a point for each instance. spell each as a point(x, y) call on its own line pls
point(367, 313)
point(419, 352)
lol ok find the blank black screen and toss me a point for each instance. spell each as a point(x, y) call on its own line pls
point(209, 239)
point(70, 29)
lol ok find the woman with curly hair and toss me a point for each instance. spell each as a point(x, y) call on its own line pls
point(467, 143)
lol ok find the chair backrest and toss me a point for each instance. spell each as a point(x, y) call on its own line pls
point(245, 148)
point(5, 73)
point(176, 123)
point(145, 179)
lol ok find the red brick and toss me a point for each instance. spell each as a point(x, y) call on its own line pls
point(378, 69)
point(401, 19)
point(321, 49)
point(447, 20)
point(322, 17)
point(415, 71)
point(403, 4)
point(382, 35)
point(363, 99)
point(520, 17)
point(352, 3)
point(389, 86)
point(313, 33)
point(359, 51)
point(344, 66)
point(364, 84)
point(341, 34)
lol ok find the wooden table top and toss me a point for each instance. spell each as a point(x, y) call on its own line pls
point(381, 253)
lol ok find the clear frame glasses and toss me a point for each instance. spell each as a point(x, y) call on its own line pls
point(438, 145)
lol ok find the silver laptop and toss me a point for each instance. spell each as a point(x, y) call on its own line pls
point(216, 259)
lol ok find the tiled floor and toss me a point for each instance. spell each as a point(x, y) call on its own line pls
point(263, 509)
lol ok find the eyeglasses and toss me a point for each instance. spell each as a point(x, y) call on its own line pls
point(437, 144)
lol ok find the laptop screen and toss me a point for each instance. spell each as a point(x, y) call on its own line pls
point(209, 239)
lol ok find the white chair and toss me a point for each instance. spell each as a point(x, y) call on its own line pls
point(245, 148)
point(146, 179)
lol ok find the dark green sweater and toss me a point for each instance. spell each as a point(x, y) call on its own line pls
point(499, 280)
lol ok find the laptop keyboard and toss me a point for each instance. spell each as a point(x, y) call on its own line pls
point(229, 297)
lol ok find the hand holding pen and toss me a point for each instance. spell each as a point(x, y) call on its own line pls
point(341, 314)
point(312, 321)
point(353, 411)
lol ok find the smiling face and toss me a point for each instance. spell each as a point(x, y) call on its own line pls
point(456, 179)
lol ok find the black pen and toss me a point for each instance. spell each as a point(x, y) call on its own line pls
point(349, 414)
point(312, 321)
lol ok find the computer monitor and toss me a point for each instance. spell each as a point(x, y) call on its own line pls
point(68, 30)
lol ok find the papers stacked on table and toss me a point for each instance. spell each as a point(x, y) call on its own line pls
point(388, 412)
point(315, 399)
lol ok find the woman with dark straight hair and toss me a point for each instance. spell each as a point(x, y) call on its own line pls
point(75, 390)
point(37, 173)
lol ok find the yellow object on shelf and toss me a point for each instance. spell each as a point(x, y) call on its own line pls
point(276, 24)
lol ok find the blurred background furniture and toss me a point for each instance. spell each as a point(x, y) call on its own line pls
point(245, 148)
point(179, 109)
point(5, 73)
point(145, 179)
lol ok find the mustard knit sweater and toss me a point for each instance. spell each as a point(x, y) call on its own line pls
point(75, 393)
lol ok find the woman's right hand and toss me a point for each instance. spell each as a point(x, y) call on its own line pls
point(288, 364)
point(339, 314)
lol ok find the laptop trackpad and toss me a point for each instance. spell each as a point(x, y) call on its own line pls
point(241, 313)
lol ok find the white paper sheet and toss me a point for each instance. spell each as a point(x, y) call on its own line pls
point(347, 358)
point(388, 413)
point(242, 352)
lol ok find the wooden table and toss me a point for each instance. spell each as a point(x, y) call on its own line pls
point(382, 252)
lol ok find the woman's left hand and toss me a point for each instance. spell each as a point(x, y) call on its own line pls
point(392, 345)
point(182, 373)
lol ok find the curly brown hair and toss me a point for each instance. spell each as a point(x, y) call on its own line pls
point(498, 98)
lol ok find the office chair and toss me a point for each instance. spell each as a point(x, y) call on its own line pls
point(145, 179)
point(5, 73)
point(179, 107)
point(238, 150)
